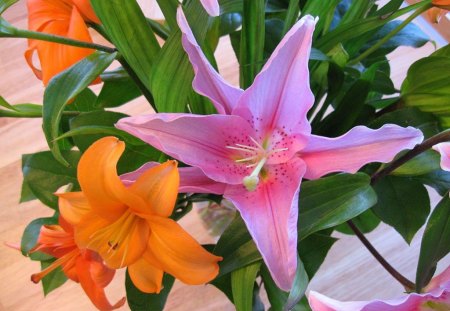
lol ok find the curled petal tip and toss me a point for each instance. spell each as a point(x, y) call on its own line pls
point(211, 6)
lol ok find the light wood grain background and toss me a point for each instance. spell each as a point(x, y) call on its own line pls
point(349, 271)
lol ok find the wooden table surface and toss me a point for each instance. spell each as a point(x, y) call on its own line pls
point(349, 271)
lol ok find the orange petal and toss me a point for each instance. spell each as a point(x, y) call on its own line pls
point(42, 12)
point(95, 292)
point(435, 14)
point(120, 243)
point(159, 188)
point(73, 206)
point(98, 177)
point(179, 254)
point(443, 4)
point(101, 274)
point(55, 57)
point(145, 276)
point(86, 10)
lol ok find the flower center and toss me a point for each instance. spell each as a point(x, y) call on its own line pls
point(254, 156)
point(435, 305)
point(112, 237)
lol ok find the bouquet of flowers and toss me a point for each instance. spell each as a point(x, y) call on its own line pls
point(315, 139)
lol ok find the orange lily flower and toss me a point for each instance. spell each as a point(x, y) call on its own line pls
point(82, 266)
point(441, 7)
point(58, 17)
point(130, 226)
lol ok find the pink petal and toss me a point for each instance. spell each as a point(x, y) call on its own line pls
point(440, 281)
point(319, 302)
point(207, 81)
point(280, 96)
point(270, 213)
point(361, 145)
point(199, 141)
point(211, 6)
point(192, 179)
point(444, 150)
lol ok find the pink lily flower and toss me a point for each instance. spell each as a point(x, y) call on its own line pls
point(444, 150)
point(211, 6)
point(259, 146)
point(436, 296)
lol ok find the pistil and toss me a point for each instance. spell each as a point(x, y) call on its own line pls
point(251, 182)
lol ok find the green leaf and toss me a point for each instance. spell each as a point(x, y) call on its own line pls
point(313, 250)
point(90, 125)
point(173, 71)
point(140, 301)
point(366, 222)
point(236, 247)
point(30, 237)
point(130, 33)
point(330, 201)
point(54, 279)
point(411, 35)
point(428, 89)
point(118, 92)
point(43, 175)
point(435, 243)
point(424, 163)
point(22, 111)
point(439, 180)
point(349, 107)
point(65, 87)
point(354, 29)
point(276, 296)
point(281, 300)
point(252, 41)
point(402, 203)
point(242, 282)
point(169, 9)
point(5, 4)
point(409, 116)
point(229, 23)
point(299, 287)
point(324, 203)
point(322, 9)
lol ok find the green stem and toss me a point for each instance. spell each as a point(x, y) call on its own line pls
point(145, 91)
point(395, 31)
point(30, 114)
point(22, 33)
point(427, 144)
point(409, 286)
point(424, 146)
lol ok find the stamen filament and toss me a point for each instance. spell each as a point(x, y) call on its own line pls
point(57, 263)
point(239, 148)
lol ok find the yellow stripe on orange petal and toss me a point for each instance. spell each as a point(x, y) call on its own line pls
point(179, 254)
point(159, 188)
point(98, 177)
point(120, 242)
point(145, 276)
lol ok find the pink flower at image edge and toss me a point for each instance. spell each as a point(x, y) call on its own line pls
point(259, 147)
point(436, 296)
point(444, 150)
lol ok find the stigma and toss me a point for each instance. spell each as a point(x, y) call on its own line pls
point(254, 157)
